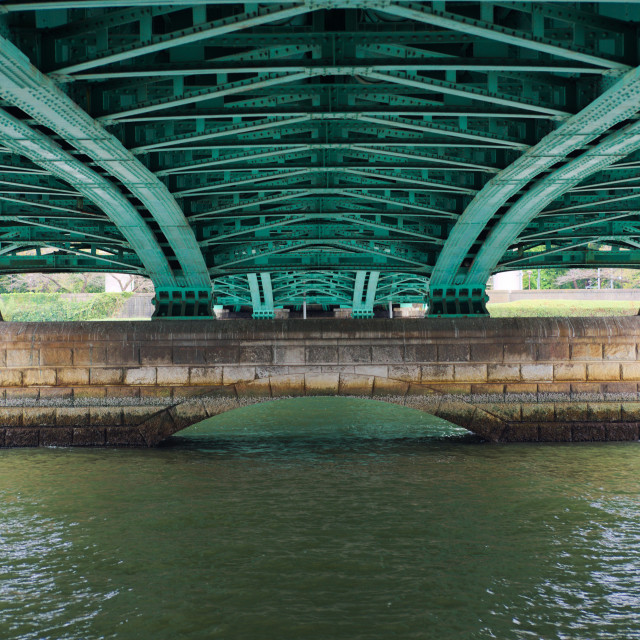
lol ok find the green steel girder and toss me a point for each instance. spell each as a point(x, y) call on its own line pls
point(261, 295)
point(612, 148)
point(38, 96)
point(45, 153)
point(615, 105)
point(333, 152)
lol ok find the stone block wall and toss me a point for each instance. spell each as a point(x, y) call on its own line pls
point(135, 383)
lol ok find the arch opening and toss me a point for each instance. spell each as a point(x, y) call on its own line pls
point(318, 421)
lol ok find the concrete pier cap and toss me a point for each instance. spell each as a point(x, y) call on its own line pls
point(137, 383)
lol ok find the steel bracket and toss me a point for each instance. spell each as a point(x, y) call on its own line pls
point(457, 301)
point(184, 303)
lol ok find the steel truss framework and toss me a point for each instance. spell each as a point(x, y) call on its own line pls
point(338, 152)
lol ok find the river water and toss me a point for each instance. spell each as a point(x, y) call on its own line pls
point(321, 519)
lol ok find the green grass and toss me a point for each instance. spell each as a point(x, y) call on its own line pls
point(54, 307)
point(563, 308)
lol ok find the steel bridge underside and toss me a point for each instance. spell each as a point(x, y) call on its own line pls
point(349, 153)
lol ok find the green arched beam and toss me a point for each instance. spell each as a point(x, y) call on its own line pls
point(615, 147)
point(24, 86)
point(41, 150)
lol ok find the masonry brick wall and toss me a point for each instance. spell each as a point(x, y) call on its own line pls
point(134, 383)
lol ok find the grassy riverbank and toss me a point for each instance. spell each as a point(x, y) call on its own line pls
point(563, 308)
point(56, 307)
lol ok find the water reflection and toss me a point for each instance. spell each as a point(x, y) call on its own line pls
point(346, 523)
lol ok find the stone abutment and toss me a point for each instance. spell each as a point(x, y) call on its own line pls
point(136, 383)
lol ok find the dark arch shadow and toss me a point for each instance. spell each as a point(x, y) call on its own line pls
point(217, 400)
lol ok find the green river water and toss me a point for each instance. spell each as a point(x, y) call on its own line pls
point(321, 519)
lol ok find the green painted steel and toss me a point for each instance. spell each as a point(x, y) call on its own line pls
point(339, 153)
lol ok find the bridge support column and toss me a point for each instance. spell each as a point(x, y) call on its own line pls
point(364, 293)
point(261, 295)
point(457, 301)
point(187, 303)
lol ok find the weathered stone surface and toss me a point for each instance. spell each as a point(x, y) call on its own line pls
point(353, 354)
point(90, 355)
point(320, 354)
point(554, 432)
point(197, 355)
point(10, 377)
point(155, 354)
point(22, 437)
point(553, 352)
point(630, 411)
point(322, 384)
point(509, 412)
point(520, 432)
point(487, 352)
point(380, 370)
point(387, 387)
point(88, 437)
point(188, 413)
point(603, 371)
point(630, 370)
point(622, 431)
point(284, 354)
point(124, 437)
point(133, 416)
point(387, 354)
point(140, 375)
point(38, 417)
point(487, 389)
point(586, 391)
point(231, 375)
point(38, 377)
point(219, 403)
point(420, 353)
point(504, 375)
point(172, 375)
point(503, 372)
point(104, 375)
point(23, 357)
point(458, 413)
point(72, 416)
point(406, 373)
point(289, 385)
point(157, 427)
point(106, 416)
point(22, 395)
point(260, 388)
point(487, 425)
point(205, 375)
point(72, 376)
point(89, 394)
point(586, 432)
point(437, 373)
point(457, 352)
point(620, 351)
point(219, 354)
point(520, 352)
point(586, 351)
point(123, 354)
point(56, 357)
point(355, 385)
point(603, 411)
point(56, 437)
point(258, 354)
point(536, 372)
point(470, 372)
point(538, 412)
point(571, 411)
point(569, 372)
